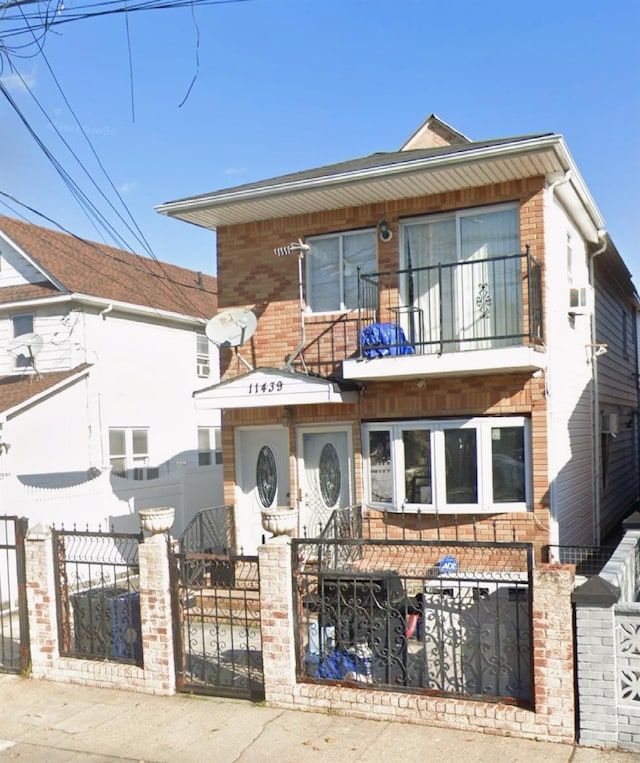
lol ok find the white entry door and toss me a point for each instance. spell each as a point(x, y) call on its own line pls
point(262, 469)
point(325, 476)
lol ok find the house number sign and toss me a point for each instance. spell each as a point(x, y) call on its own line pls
point(264, 388)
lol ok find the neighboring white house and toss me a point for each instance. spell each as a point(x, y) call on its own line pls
point(100, 353)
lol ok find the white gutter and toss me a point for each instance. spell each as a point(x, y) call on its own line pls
point(554, 461)
point(85, 299)
point(597, 454)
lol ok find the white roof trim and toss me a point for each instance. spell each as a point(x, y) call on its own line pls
point(266, 387)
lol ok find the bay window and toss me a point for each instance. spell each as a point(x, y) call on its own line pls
point(454, 465)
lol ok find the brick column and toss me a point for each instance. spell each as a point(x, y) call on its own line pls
point(156, 615)
point(553, 649)
point(41, 600)
point(277, 621)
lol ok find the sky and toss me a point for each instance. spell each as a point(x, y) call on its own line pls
point(180, 102)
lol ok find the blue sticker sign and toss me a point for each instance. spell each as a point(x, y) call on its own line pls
point(448, 564)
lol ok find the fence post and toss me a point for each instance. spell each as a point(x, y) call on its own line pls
point(277, 619)
point(41, 599)
point(156, 614)
point(553, 658)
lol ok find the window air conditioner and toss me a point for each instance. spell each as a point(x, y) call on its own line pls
point(203, 370)
point(609, 423)
point(581, 300)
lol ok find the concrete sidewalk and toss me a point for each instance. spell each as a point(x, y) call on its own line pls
point(48, 721)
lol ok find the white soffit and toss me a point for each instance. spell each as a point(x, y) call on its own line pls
point(266, 387)
point(401, 182)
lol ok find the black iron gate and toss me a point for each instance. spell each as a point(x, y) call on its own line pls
point(218, 644)
point(14, 623)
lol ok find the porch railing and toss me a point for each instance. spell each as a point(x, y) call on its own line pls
point(449, 307)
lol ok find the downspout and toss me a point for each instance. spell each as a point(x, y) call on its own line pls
point(106, 311)
point(597, 445)
point(554, 531)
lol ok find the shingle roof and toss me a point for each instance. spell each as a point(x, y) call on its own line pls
point(17, 389)
point(372, 161)
point(98, 270)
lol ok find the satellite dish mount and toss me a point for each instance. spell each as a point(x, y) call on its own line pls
point(231, 328)
point(26, 346)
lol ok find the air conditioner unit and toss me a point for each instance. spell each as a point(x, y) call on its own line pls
point(581, 300)
point(203, 370)
point(609, 423)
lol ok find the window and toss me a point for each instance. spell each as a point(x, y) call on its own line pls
point(332, 269)
point(20, 325)
point(203, 359)
point(209, 446)
point(448, 465)
point(129, 453)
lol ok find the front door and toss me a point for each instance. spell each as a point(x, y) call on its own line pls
point(325, 476)
point(262, 467)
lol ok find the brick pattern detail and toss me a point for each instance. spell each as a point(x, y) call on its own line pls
point(158, 674)
point(552, 719)
point(250, 275)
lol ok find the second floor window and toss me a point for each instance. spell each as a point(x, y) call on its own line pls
point(332, 269)
point(20, 325)
point(203, 360)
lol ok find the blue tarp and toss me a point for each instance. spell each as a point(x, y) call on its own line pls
point(381, 339)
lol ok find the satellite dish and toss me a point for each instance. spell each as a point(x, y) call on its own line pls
point(231, 328)
point(26, 344)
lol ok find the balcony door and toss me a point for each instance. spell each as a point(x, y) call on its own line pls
point(462, 286)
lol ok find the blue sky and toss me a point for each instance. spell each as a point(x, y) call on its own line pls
point(285, 85)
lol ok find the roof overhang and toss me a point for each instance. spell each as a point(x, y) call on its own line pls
point(266, 387)
point(45, 393)
point(542, 156)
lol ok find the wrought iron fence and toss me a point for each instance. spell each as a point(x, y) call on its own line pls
point(210, 531)
point(14, 622)
point(589, 560)
point(98, 599)
point(217, 624)
point(477, 304)
point(450, 618)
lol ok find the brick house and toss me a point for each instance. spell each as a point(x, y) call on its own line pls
point(452, 338)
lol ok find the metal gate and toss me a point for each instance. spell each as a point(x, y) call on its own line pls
point(14, 623)
point(218, 644)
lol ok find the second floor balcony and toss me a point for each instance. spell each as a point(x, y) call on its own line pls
point(476, 316)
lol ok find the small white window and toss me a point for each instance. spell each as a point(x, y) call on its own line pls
point(209, 446)
point(129, 453)
point(203, 358)
point(21, 325)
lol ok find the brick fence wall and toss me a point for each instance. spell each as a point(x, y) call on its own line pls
point(158, 674)
point(552, 719)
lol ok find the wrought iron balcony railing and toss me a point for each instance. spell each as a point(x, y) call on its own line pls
point(473, 305)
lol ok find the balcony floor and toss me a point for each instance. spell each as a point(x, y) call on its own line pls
point(471, 362)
